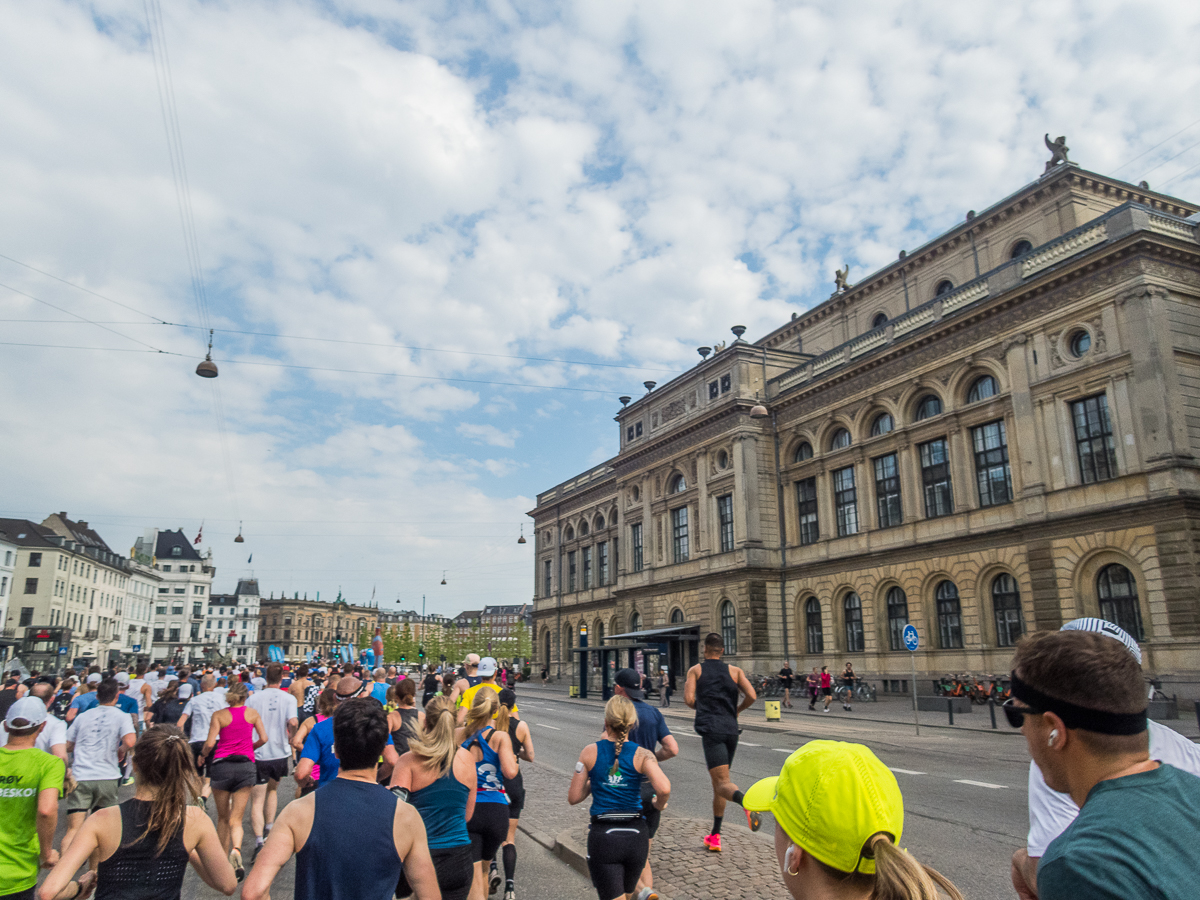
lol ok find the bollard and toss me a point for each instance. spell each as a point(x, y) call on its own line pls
point(771, 709)
point(992, 710)
point(950, 708)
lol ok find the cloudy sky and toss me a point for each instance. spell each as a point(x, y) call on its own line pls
point(438, 240)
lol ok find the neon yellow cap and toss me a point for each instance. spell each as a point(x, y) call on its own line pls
point(830, 798)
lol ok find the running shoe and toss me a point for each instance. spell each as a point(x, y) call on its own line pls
point(647, 894)
point(254, 856)
point(510, 894)
point(494, 883)
point(713, 843)
point(753, 819)
point(127, 781)
point(235, 860)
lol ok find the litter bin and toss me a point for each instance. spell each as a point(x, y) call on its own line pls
point(573, 691)
point(771, 707)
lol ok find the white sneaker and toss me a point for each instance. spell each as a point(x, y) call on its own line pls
point(647, 894)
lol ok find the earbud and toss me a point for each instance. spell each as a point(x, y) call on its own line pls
point(788, 855)
point(1053, 737)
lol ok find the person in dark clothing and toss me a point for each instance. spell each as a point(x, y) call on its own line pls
point(712, 690)
point(786, 676)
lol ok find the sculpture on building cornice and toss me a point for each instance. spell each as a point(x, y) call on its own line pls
point(1058, 148)
point(839, 279)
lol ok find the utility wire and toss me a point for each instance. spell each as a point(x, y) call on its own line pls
point(1175, 178)
point(1176, 156)
point(1155, 147)
point(80, 287)
point(79, 317)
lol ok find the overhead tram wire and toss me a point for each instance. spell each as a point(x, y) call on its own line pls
point(1155, 147)
point(80, 318)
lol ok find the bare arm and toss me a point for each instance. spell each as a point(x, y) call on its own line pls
point(47, 821)
point(1024, 874)
point(85, 843)
point(581, 785)
point(668, 749)
point(745, 687)
point(303, 772)
point(408, 830)
point(302, 732)
point(526, 742)
point(689, 688)
point(278, 849)
point(645, 763)
point(509, 766)
point(207, 857)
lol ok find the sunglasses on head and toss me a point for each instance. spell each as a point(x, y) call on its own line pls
point(1016, 714)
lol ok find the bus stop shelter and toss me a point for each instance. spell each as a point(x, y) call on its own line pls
point(677, 644)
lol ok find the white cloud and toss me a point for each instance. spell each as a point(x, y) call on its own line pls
point(488, 434)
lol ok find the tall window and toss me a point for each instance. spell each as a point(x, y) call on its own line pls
point(174, 634)
point(1093, 439)
point(635, 622)
point(1117, 591)
point(1006, 604)
point(547, 577)
point(814, 635)
point(852, 607)
point(602, 551)
point(992, 473)
point(935, 475)
point(635, 532)
point(571, 571)
point(587, 567)
point(725, 518)
point(728, 627)
point(949, 614)
point(676, 616)
point(887, 490)
point(679, 533)
point(897, 613)
point(845, 501)
point(806, 502)
point(26, 616)
point(546, 648)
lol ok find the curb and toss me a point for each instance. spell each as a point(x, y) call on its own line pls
point(571, 853)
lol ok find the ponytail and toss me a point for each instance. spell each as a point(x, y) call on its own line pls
point(163, 760)
point(502, 717)
point(620, 716)
point(435, 747)
point(483, 710)
point(899, 876)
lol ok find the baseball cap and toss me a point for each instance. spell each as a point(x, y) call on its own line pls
point(122, 678)
point(185, 691)
point(1103, 626)
point(631, 682)
point(830, 798)
point(487, 666)
point(28, 712)
point(94, 678)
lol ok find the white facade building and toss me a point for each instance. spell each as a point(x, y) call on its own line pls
point(232, 626)
point(182, 596)
point(8, 563)
point(137, 621)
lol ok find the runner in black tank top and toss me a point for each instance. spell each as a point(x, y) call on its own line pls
point(712, 690)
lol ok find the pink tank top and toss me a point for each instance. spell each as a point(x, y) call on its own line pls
point(236, 738)
point(316, 770)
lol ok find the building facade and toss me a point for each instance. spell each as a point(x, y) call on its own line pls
point(231, 630)
point(181, 605)
point(137, 623)
point(8, 566)
point(303, 626)
point(994, 434)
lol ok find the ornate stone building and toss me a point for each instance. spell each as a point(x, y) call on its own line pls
point(301, 626)
point(997, 432)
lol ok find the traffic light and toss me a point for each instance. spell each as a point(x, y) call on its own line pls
point(421, 652)
point(402, 657)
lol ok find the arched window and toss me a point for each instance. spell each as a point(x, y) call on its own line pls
point(814, 635)
point(949, 615)
point(728, 627)
point(599, 523)
point(1006, 605)
point(678, 484)
point(1020, 248)
point(883, 424)
point(852, 608)
point(570, 533)
point(981, 388)
point(928, 406)
point(840, 439)
point(583, 528)
point(879, 321)
point(614, 626)
point(546, 538)
point(635, 622)
point(897, 613)
point(568, 638)
point(1117, 590)
point(945, 286)
point(676, 616)
point(546, 641)
point(803, 452)
point(722, 460)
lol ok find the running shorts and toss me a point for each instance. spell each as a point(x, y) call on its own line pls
point(653, 816)
point(488, 828)
point(718, 749)
point(827, 691)
point(21, 895)
point(617, 853)
point(270, 770)
point(90, 796)
point(515, 789)
point(232, 773)
point(454, 872)
point(201, 759)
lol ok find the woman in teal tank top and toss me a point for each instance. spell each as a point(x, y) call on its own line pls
point(612, 771)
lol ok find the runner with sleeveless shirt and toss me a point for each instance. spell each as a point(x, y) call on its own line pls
point(432, 686)
point(234, 733)
point(468, 679)
point(404, 720)
point(712, 691)
point(491, 750)
point(522, 741)
point(612, 771)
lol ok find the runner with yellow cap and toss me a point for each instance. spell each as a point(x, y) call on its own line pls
point(839, 817)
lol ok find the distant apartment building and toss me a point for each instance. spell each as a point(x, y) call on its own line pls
point(181, 602)
point(300, 626)
point(231, 629)
point(8, 564)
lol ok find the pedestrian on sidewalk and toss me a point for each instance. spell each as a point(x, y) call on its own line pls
point(848, 680)
point(826, 687)
point(612, 771)
point(839, 816)
point(143, 845)
point(353, 838)
point(712, 690)
point(280, 716)
point(651, 733)
point(785, 677)
point(814, 687)
point(1079, 699)
point(665, 686)
point(545, 674)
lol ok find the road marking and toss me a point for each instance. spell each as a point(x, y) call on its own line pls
point(906, 771)
point(982, 784)
point(781, 750)
point(544, 725)
point(748, 744)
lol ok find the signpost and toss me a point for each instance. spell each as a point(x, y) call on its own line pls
point(912, 641)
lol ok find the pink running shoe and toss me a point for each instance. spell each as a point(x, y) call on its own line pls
point(713, 843)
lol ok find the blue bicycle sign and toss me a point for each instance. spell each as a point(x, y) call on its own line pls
point(911, 641)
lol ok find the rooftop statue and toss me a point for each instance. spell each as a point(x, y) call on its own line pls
point(1058, 147)
point(839, 279)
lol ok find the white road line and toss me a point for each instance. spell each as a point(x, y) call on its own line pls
point(781, 750)
point(544, 725)
point(906, 771)
point(748, 744)
point(982, 784)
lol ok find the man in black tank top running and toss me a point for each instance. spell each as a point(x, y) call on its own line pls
point(712, 691)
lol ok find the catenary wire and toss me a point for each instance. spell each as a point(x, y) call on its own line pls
point(1155, 147)
point(1176, 156)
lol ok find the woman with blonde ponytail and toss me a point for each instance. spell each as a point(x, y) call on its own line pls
point(839, 817)
point(612, 771)
point(492, 753)
point(144, 844)
point(438, 779)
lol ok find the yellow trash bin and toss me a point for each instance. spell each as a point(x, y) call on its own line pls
point(771, 707)
point(573, 691)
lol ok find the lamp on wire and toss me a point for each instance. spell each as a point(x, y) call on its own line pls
point(521, 539)
point(758, 411)
point(208, 368)
point(239, 539)
point(443, 576)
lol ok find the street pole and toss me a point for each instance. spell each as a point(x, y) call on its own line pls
point(916, 719)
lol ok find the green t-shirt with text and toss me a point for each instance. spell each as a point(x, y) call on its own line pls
point(23, 775)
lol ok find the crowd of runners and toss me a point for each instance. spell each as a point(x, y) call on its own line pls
point(396, 798)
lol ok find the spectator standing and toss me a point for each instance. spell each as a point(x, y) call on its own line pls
point(98, 740)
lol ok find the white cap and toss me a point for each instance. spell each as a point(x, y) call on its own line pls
point(28, 712)
point(487, 666)
point(95, 678)
point(1103, 626)
point(122, 678)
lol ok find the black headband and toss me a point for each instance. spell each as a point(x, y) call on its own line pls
point(1074, 716)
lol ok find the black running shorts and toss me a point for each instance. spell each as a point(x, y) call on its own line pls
point(271, 770)
point(515, 789)
point(617, 854)
point(454, 872)
point(488, 828)
point(232, 773)
point(718, 749)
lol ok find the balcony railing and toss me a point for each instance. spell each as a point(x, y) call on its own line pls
point(91, 635)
